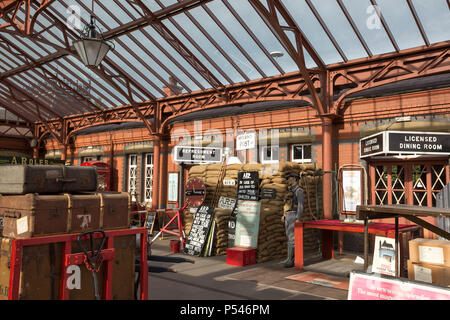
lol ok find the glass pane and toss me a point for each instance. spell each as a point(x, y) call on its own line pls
point(340, 28)
point(275, 152)
point(133, 160)
point(265, 35)
point(297, 152)
point(420, 198)
point(398, 177)
point(398, 197)
point(150, 159)
point(437, 177)
point(401, 22)
point(381, 177)
point(369, 25)
point(307, 151)
point(313, 31)
point(244, 39)
point(435, 18)
point(381, 197)
point(419, 177)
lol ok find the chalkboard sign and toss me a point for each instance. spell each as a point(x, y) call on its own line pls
point(199, 231)
point(232, 226)
point(150, 221)
point(248, 186)
point(268, 193)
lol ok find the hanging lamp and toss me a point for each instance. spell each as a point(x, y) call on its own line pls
point(92, 47)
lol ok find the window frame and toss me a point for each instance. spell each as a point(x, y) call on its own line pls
point(129, 167)
point(263, 152)
point(303, 153)
point(150, 186)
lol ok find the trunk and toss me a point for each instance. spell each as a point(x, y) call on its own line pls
point(41, 271)
point(33, 215)
point(22, 179)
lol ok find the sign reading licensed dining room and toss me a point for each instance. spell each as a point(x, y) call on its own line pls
point(405, 142)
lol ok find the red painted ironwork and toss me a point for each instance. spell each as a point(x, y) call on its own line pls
point(69, 259)
point(328, 226)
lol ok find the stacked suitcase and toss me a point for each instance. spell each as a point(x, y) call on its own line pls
point(38, 201)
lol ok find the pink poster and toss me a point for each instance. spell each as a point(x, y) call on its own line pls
point(375, 287)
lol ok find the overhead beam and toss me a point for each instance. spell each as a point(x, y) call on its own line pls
point(296, 53)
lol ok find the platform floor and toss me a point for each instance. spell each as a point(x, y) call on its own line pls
point(210, 278)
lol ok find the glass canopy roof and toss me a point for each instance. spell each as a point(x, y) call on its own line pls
point(228, 38)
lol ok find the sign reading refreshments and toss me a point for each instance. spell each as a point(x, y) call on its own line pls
point(197, 154)
point(405, 142)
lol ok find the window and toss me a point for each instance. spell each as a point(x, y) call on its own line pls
point(408, 182)
point(132, 176)
point(301, 153)
point(148, 192)
point(270, 154)
point(90, 158)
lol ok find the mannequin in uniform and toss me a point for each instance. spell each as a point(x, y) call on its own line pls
point(292, 215)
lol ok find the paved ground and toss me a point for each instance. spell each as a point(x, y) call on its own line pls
point(212, 279)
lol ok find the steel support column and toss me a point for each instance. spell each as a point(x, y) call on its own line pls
point(156, 171)
point(327, 161)
point(164, 161)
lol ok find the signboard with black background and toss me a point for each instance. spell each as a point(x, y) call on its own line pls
point(371, 145)
point(419, 142)
point(405, 142)
point(248, 186)
point(199, 230)
point(197, 154)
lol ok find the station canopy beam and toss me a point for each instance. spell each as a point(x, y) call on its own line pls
point(194, 55)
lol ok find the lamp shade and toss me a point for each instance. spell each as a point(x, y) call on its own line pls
point(91, 51)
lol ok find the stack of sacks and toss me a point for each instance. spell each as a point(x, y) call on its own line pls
point(220, 244)
point(272, 237)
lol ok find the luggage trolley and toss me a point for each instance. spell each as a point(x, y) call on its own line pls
point(106, 256)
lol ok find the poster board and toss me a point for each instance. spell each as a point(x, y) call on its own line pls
point(384, 256)
point(351, 190)
point(149, 222)
point(247, 224)
point(199, 230)
point(172, 187)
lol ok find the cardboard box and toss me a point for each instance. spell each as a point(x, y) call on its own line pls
point(430, 273)
point(241, 256)
point(430, 251)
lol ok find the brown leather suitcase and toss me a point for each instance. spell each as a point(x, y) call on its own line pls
point(41, 271)
point(22, 179)
point(34, 215)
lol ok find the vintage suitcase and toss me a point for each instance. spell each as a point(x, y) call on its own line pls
point(34, 215)
point(41, 271)
point(22, 179)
